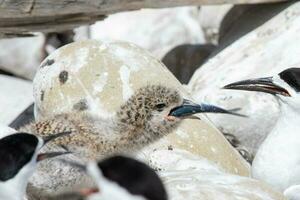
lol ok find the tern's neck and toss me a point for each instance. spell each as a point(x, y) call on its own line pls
point(15, 188)
point(10, 192)
point(278, 156)
point(288, 121)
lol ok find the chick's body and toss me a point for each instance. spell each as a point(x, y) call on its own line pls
point(138, 122)
point(149, 114)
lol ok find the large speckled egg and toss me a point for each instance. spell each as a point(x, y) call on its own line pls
point(97, 77)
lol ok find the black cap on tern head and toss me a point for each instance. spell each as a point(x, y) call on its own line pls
point(16, 150)
point(292, 77)
point(137, 177)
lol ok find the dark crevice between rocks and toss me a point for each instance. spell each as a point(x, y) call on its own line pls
point(24, 118)
point(7, 73)
point(184, 59)
point(4, 72)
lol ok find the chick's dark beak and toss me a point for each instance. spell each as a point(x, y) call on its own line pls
point(188, 108)
point(43, 156)
point(260, 85)
point(53, 137)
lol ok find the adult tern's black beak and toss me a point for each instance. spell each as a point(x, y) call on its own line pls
point(43, 156)
point(260, 85)
point(188, 108)
point(52, 137)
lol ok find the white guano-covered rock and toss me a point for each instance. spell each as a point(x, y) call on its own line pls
point(263, 52)
point(99, 76)
point(22, 56)
point(191, 177)
point(5, 131)
point(210, 18)
point(16, 97)
point(157, 30)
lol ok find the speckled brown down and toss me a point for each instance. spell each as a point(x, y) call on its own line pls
point(152, 112)
point(139, 121)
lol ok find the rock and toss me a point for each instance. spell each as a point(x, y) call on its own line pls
point(23, 118)
point(184, 59)
point(267, 50)
point(293, 192)
point(210, 19)
point(242, 19)
point(5, 131)
point(151, 29)
point(192, 177)
point(82, 33)
point(22, 56)
point(202, 185)
point(98, 77)
point(58, 39)
point(16, 97)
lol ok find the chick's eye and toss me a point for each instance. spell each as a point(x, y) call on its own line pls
point(159, 107)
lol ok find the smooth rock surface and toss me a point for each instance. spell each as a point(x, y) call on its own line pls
point(5, 131)
point(263, 52)
point(188, 176)
point(157, 30)
point(293, 192)
point(210, 18)
point(22, 56)
point(242, 19)
point(101, 76)
point(16, 96)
